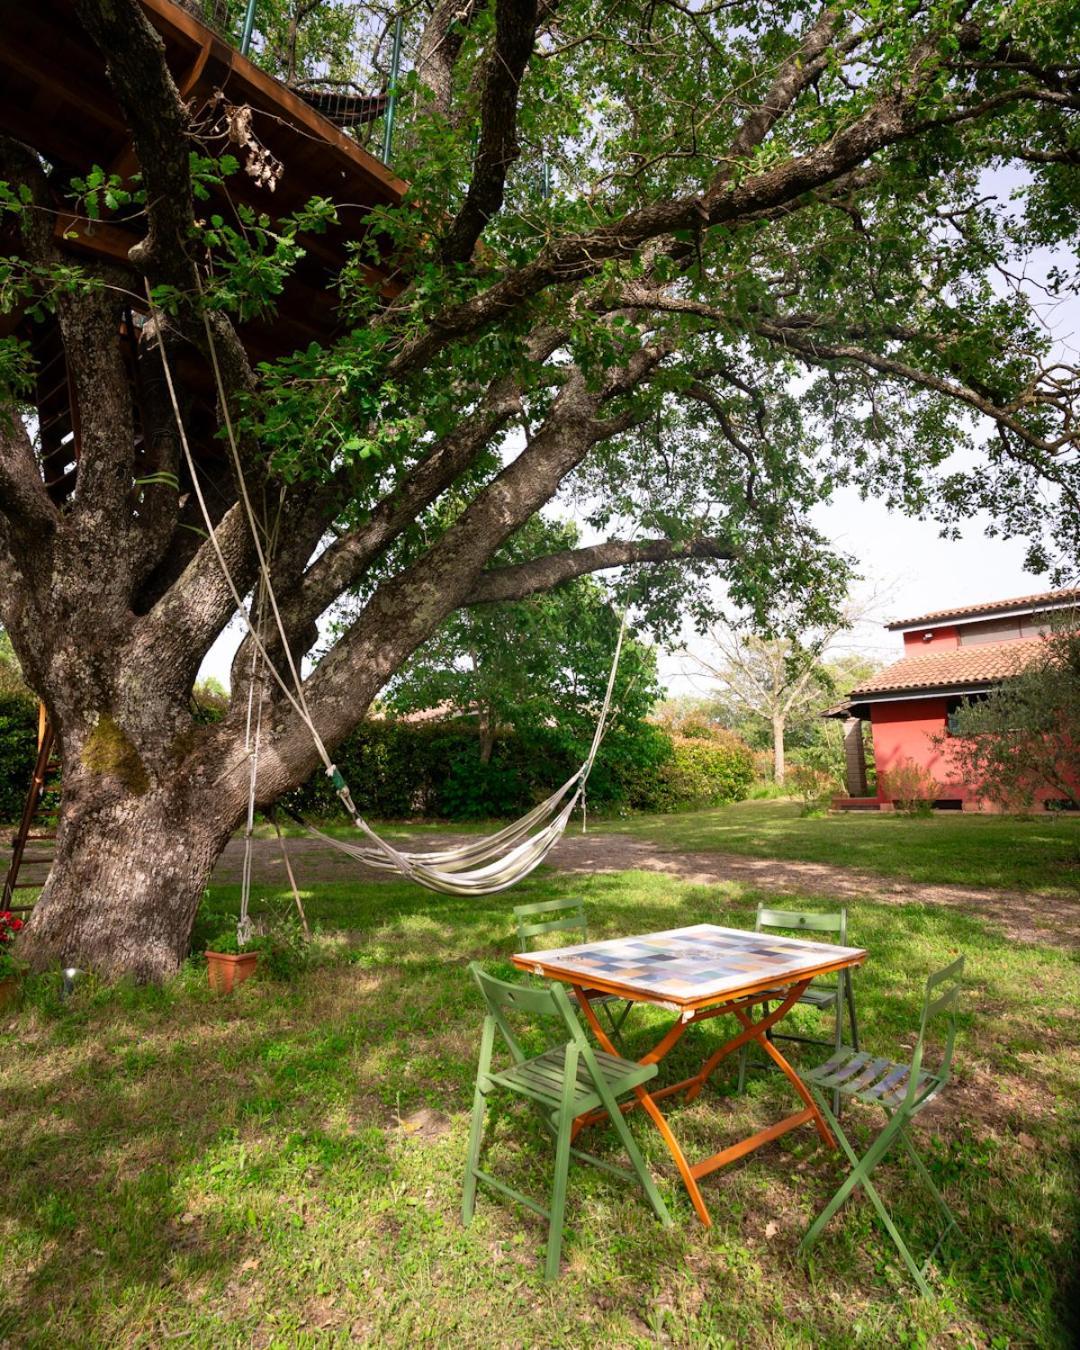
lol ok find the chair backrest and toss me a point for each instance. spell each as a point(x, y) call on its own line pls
point(545, 1001)
point(942, 999)
point(806, 920)
point(551, 916)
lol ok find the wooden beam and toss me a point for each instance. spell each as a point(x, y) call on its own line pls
point(170, 19)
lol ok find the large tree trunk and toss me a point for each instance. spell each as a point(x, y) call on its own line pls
point(135, 849)
point(123, 892)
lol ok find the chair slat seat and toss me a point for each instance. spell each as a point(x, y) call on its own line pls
point(901, 1090)
point(823, 996)
point(542, 1078)
point(879, 1082)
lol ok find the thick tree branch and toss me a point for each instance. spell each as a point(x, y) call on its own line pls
point(342, 563)
point(541, 574)
point(515, 36)
point(893, 117)
point(23, 499)
point(150, 102)
point(405, 610)
point(440, 44)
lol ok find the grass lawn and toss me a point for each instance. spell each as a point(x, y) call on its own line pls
point(181, 1168)
point(1040, 853)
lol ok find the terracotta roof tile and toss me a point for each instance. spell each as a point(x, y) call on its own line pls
point(958, 667)
point(991, 607)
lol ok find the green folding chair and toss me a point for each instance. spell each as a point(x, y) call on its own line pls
point(568, 916)
point(822, 995)
point(564, 1082)
point(902, 1091)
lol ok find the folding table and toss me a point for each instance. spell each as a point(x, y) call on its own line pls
point(700, 972)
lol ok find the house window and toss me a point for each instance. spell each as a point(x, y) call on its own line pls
point(953, 707)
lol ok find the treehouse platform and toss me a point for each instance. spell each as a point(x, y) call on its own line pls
point(55, 98)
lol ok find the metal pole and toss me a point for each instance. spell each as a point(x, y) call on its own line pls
point(391, 108)
point(249, 24)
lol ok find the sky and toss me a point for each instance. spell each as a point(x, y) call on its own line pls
point(910, 565)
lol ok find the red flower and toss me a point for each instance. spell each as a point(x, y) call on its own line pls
point(16, 924)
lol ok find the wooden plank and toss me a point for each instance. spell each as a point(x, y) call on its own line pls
point(261, 89)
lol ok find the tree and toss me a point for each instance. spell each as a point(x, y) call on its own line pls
point(532, 663)
point(778, 679)
point(742, 194)
point(1025, 735)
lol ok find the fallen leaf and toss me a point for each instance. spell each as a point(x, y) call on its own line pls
point(771, 1228)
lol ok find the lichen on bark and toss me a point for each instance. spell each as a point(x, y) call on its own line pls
point(110, 750)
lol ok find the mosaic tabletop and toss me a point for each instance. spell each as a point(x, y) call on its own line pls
point(685, 965)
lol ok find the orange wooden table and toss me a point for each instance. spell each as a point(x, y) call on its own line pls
point(700, 972)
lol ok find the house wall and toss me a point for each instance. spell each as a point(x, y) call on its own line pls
point(940, 639)
point(903, 730)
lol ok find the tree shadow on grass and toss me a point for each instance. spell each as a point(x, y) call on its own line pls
point(157, 1140)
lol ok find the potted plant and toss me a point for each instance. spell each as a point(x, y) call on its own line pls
point(229, 962)
point(11, 968)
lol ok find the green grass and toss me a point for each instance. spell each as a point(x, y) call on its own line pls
point(214, 1172)
point(1040, 853)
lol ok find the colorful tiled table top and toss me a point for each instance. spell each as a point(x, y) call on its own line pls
point(684, 965)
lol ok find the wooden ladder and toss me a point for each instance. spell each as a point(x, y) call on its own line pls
point(45, 779)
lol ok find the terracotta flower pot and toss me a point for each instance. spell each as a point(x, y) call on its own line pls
point(227, 969)
point(10, 988)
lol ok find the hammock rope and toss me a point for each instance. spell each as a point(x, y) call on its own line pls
point(481, 867)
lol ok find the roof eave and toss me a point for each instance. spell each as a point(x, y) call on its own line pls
point(923, 691)
point(948, 619)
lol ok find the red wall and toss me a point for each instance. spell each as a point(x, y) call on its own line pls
point(940, 638)
point(903, 729)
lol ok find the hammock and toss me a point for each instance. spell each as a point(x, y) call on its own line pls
point(481, 867)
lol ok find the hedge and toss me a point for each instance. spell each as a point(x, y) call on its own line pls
point(398, 770)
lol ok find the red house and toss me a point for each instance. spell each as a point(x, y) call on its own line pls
point(949, 655)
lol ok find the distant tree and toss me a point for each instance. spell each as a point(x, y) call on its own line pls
point(776, 680)
point(531, 663)
point(1026, 734)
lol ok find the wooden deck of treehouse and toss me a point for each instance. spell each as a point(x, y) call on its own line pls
point(55, 97)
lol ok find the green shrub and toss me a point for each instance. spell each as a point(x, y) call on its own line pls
point(18, 750)
point(701, 773)
point(398, 770)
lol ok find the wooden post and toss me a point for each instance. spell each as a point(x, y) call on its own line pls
point(854, 758)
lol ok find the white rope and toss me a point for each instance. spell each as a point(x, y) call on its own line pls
point(446, 871)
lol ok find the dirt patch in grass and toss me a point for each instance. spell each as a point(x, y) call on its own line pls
point(1040, 919)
